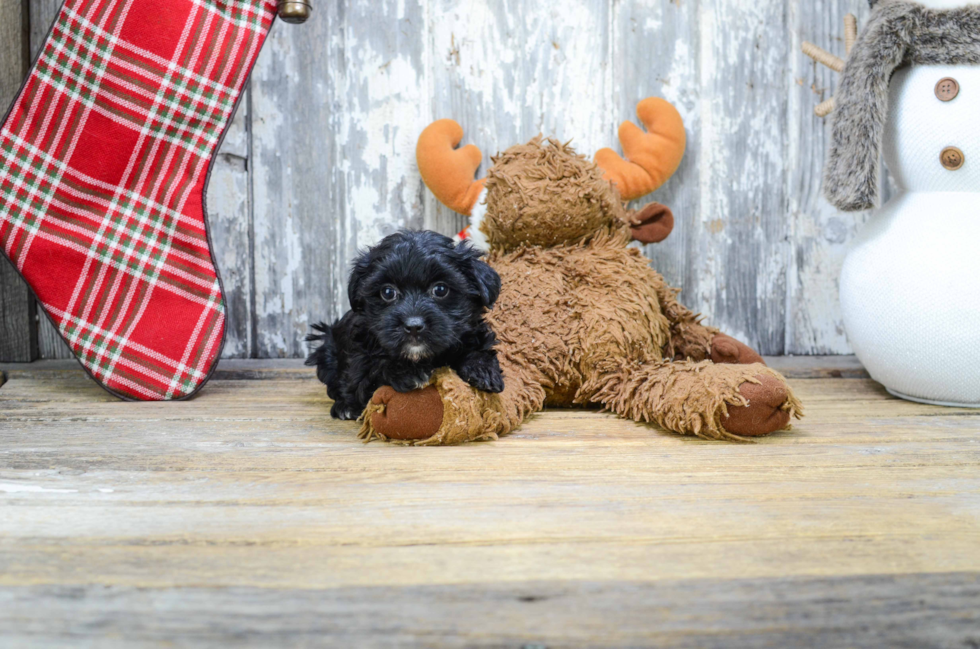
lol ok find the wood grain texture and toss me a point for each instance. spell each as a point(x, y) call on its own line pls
point(912, 611)
point(321, 162)
point(819, 233)
point(42, 15)
point(247, 512)
point(18, 318)
point(50, 343)
point(228, 204)
point(655, 52)
point(741, 167)
point(303, 238)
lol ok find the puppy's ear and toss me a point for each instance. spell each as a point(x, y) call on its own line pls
point(358, 273)
point(485, 279)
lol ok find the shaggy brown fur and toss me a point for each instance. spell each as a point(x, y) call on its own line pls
point(582, 318)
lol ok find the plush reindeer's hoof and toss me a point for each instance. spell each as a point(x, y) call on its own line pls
point(765, 413)
point(725, 349)
point(407, 415)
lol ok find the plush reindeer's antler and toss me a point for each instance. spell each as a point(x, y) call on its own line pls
point(835, 63)
point(652, 157)
point(449, 171)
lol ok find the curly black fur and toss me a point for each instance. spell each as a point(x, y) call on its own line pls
point(402, 326)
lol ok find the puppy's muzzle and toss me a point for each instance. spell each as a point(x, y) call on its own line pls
point(414, 325)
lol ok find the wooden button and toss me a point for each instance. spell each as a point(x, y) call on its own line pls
point(952, 158)
point(947, 89)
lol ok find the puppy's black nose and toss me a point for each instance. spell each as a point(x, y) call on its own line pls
point(414, 325)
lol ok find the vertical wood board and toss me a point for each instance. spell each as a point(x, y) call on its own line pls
point(299, 226)
point(740, 262)
point(43, 13)
point(655, 52)
point(229, 222)
point(18, 318)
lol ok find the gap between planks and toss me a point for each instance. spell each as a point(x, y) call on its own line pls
point(792, 367)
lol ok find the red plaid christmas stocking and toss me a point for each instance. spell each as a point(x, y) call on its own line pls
point(103, 166)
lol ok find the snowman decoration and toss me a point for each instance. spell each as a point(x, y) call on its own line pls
point(910, 286)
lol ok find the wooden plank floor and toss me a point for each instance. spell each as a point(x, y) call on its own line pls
point(248, 517)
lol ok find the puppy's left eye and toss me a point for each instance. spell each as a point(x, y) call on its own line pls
point(439, 290)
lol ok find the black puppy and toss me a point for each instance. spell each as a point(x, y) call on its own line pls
point(417, 303)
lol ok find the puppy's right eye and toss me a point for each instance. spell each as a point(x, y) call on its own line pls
point(389, 293)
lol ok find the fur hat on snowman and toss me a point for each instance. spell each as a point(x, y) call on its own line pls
point(899, 33)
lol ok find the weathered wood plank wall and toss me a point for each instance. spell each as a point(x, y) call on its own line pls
point(42, 14)
point(320, 159)
point(18, 329)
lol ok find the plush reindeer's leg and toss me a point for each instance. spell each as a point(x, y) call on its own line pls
point(691, 340)
point(450, 411)
point(705, 399)
point(623, 366)
point(725, 349)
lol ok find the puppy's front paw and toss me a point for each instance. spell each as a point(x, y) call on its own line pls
point(411, 381)
point(483, 373)
point(343, 411)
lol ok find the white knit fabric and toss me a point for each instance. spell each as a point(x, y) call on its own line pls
point(920, 126)
point(910, 287)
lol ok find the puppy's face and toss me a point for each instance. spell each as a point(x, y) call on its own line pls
point(420, 293)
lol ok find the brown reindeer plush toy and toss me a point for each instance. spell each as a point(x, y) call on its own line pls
point(582, 318)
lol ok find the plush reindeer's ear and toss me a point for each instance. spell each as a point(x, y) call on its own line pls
point(446, 170)
point(652, 157)
point(652, 224)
